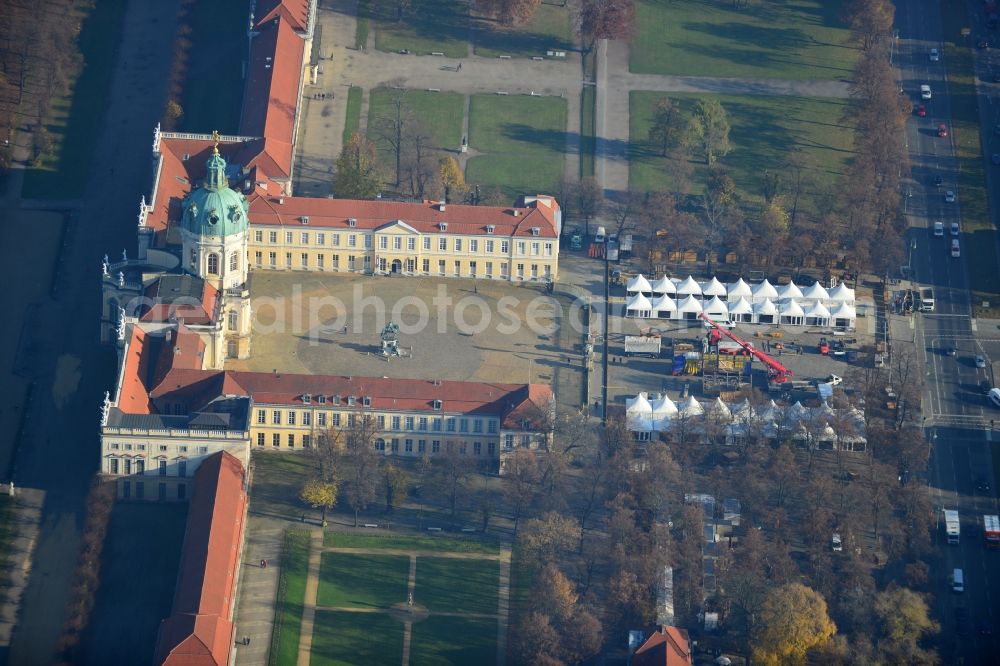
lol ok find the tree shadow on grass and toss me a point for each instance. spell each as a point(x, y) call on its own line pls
point(490, 36)
point(425, 19)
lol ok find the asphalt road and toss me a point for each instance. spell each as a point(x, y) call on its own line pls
point(957, 415)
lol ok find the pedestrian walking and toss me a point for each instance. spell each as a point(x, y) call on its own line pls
point(460, 67)
point(246, 640)
point(263, 564)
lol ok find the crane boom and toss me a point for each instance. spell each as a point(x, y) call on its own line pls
point(776, 372)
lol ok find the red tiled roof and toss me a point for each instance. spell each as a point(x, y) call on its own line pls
point(200, 629)
point(183, 350)
point(271, 96)
point(132, 395)
point(424, 217)
point(186, 310)
point(531, 403)
point(668, 646)
point(294, 11)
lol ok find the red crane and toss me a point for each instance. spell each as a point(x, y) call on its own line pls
point(776, 372)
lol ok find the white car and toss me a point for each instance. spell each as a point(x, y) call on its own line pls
point(949, 196)
point(934, 55)
point(994, 396)
point(925, 91)
point(954, 228)
point(956, 250)
point(939, 229)
point(834, 379)
point(836, 543)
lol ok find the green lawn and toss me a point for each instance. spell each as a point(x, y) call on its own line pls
point(363, 23)
point(789, 39)
point(291, 598)
point(75, 118)
point(453, 640)
point(346, 639)
point(428, 26)
point(979, 232)
point(524, 141)
point(588, 119)
point(549, 29)
point(6, 535)
point(394, 542)
point(213, 82)
point(362, 581)
point(354, 97)
point(450, 585)
point(278, 480)
point(763, 129)
point(440, 113)
point(123, 625)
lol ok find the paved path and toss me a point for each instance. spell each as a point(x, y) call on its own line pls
point(411, 585)
point(503, 606)
point(309, 603)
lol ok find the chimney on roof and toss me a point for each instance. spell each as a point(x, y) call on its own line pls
point(441, 206)
point(515, 212)
point(281, 200)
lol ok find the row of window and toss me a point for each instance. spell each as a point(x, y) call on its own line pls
point(130, 466)
point(444, 243)
point(308, 260)
point(394, 422)
point(140, 490)
point(392, 446)
point(213, 261)
point(162, 448)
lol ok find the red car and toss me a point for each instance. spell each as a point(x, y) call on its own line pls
point(942, 130)
point(921, 110)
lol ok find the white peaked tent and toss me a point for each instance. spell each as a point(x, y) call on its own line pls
point(844, 316)
point(689, 286)
point(638, 285)
point(817, 315)
point(638, 306)
point(741, 310)
point(664, 286)
point(792, 314)
point(719, 411)
point(663, 410)
point(816, 292)
point(692, 407)
point(689, 308)
point(664, 307)
point(744, 411)
point(764, 290)
point(739, 289)
point(842, 294)
point(714, 288)
point(796, 413)
point(790, 290)
point(716, 308)
point(639, 413)
point(765, 312)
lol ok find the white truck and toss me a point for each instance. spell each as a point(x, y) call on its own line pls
point(642, 345)
point(952, 526)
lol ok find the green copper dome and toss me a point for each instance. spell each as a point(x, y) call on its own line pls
point(215, 209)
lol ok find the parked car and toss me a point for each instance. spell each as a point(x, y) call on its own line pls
point(949, 196)
point(994, 396)
point(942, 130)
point(979, 361)
point(951, 351)
point(934, 56)
point(956, 250)
point(925, 91)
point(938, 180)
point(939, 229)
point(834, 379)
point(954, 229)
point(921, 110)
point(836, 543)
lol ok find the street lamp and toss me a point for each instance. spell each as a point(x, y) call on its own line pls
point(913, 246)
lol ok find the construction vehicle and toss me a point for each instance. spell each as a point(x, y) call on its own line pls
point(952, 526)
point(576, 241)
point(991, 531)
point(776, 372)
point(824, 346)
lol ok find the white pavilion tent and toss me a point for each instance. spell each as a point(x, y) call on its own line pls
point(844, 316)
point(792, 314)
point(817, 315)
point(638, 306)
point(664, 286)
point(691, 407)
point(638, 285)
point(688, 287)
point(716, 308)
point(689, 308)
point(842, 294)
point(739, 289)
point(664, 307)
point(765, 312)
point(740, 310)
point(816, 292)
point(790, 290)
point(639, 414)
point(714, 288)
point(764, 290)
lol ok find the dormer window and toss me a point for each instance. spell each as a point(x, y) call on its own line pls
point(352, 222)
point(490, 228)
point(443, 226)
point(535, 231)
point(525, 424)
point(321, 399)
point(336, 399)
point(366, 401)
point(186, 157)
point(306, 399)
point(350, 401)
point(437, 405)
point(305, 219)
